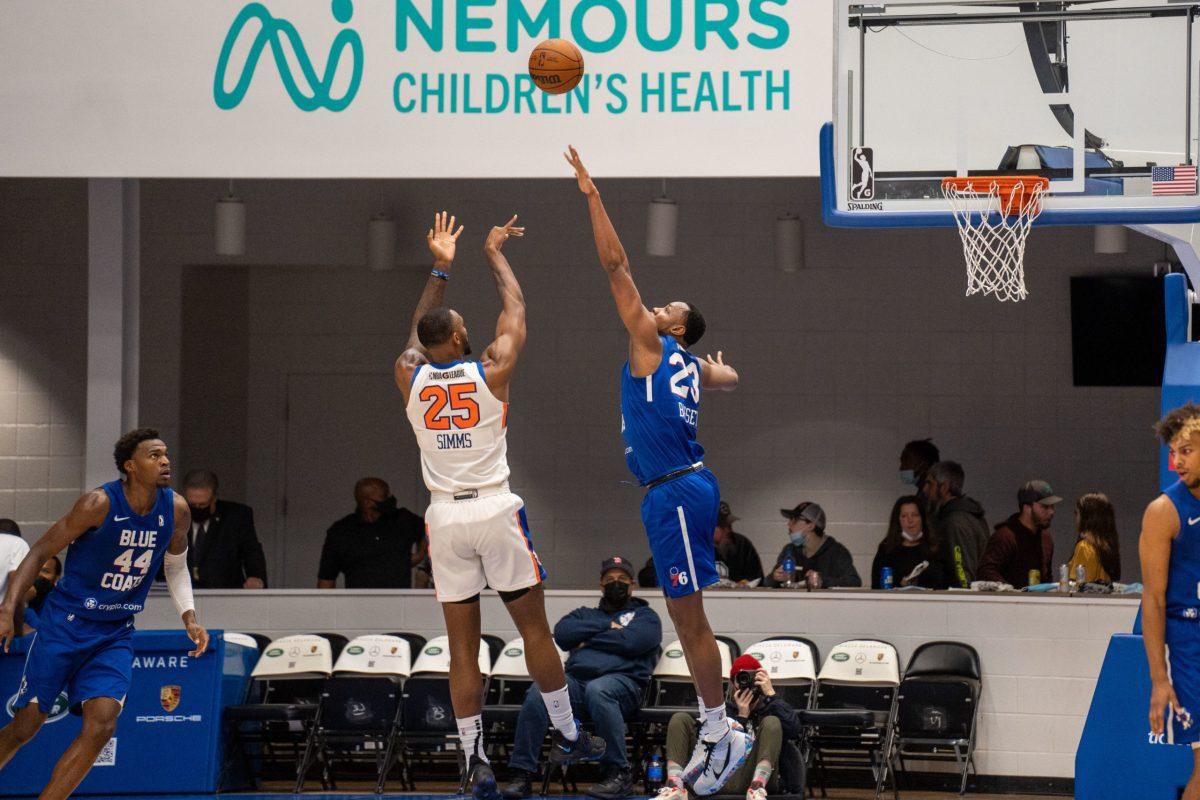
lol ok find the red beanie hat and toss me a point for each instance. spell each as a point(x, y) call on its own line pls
point(743, 663)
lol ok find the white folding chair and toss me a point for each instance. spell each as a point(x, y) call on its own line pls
point(860, 673)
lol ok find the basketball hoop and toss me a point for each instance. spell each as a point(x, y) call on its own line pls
point(994, 214)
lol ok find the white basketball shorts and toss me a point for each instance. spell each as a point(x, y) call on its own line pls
point(481, 542)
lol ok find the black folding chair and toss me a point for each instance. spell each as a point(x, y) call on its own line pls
point(359, 722)
point(939, 707)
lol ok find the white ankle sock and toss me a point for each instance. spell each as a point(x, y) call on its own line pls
point(712, 723)
point(562, 717)
point(470, 733)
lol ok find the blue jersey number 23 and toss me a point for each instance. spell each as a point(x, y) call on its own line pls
point(689, 370)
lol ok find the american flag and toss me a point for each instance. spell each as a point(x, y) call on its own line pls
point(1173, 180)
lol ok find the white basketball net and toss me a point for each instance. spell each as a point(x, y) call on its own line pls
point(993, 232)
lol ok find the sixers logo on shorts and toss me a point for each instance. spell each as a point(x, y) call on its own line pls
point(678, 578)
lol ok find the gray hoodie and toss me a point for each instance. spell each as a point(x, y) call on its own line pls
point(964, 533)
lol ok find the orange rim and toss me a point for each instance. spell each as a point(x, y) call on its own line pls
point(1017, 193)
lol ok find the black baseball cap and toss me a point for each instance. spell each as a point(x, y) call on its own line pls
point(810, 512)
point(616, 562)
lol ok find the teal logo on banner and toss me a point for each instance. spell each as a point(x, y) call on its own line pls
point(317, 91)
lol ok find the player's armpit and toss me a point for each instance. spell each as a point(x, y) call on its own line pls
point(406, 364)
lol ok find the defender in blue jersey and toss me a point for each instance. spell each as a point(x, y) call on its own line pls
point(660, 407)
point(118, 535)
point(1170, 552)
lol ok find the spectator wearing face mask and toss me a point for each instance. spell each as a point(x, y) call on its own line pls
point(613, 648)
point(915, 460)
point(821, 561)
point(223, 547)
point(28, 611)
point(376, 546)
point(1022, 544)
point(909, 545)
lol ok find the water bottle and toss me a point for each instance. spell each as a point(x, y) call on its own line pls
point(654, 772)
point(886, 580)
point(789, 569)
point(1064, 578)
point(1080, 574)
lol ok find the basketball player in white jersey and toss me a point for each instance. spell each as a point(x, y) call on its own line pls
point(478, 534)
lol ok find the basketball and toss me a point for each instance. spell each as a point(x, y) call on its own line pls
point(556, 66)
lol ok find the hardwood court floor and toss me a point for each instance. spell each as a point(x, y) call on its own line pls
point(834, 794)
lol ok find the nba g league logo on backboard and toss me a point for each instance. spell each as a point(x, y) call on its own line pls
point(316, 89)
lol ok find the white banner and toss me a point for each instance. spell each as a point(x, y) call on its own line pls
point(409, 88)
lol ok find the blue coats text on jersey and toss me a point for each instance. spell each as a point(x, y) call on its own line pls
point(109, 569)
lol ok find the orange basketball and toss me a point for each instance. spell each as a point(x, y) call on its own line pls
point(556, 66)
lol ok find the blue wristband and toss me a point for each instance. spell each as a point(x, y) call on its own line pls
point(437, 273)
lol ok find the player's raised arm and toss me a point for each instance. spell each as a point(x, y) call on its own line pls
point(442, 239)
point(179, 582)
point(89, 511)
point(645, 348)
point(716, 374)
point(1160, 524)
point(501, 355)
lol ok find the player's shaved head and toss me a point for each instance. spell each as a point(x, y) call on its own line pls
point(436, 327)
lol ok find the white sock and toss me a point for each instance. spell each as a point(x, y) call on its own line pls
point(562, 717)
point(713, 724)
point(470, 733)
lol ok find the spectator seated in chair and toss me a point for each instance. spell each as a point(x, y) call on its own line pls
point(734, 550)
point(376, 546)
point(821, 561)
point(223, 548)
point(26, 617)
point(1021, 551)
point(957, 519)
point(613, 648)
point(908, 545)
point(755, 705)
point(1098, 548)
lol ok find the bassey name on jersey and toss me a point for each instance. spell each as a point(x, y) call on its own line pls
point(453, 441)
point(688, 415)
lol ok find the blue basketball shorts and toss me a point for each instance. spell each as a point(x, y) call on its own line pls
point(85, 658)
point(1183, 657)
point(680, 516)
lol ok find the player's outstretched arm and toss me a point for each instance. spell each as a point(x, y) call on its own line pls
point(1160, 525)
point(179, 582)
point(442, 240)
point(89, 511)
point(716, 374)
point(500, 358)
point(644, 344)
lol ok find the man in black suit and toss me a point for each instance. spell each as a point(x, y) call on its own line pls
point(223, 549)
